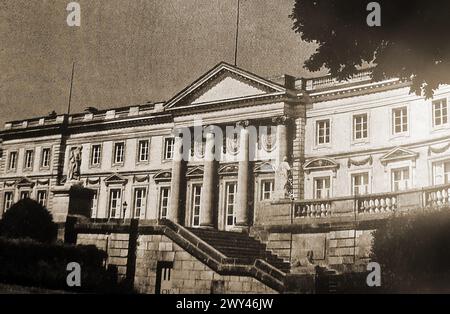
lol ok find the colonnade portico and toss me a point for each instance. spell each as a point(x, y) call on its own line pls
point(209, 197)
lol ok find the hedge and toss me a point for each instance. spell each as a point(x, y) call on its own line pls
point(30, 263)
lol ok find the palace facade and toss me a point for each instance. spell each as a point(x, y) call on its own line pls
point(357, 151)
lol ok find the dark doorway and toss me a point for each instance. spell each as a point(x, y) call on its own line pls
point(163, 278)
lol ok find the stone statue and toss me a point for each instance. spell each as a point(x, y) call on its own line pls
point(74, 164)
point(285, 178)
point(304, 265)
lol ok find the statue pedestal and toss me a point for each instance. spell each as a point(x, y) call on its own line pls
point(61, 201)
point(71, 199)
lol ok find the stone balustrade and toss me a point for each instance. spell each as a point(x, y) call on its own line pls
point(329, 81)
point(437, 196)
point(376, 203)
point(372, 204)
point(313, 209)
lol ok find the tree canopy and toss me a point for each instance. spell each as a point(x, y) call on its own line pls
point(412, 42)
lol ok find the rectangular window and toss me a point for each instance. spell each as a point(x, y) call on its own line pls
point(267, 188)
point(400, 120)
point(119, 151)
point(196, 203)
point(115, 203)
point(12, 161)
point(360, 127)
point(400, 179)
point(45, 158)
point(360, 183)
point(164, 202)
point(94, 204)
point(28, 159)
point(143, 150)
point(42, 198)
point(447, 172)
point(230, 203)
point(440, 112)
point(168, 147)
point(8, 201)
point(96, 155)
point(322, 188)
point(323, 132)
point(24, 195)
point(140, 197)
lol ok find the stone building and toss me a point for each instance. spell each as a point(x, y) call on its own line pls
point(328, 162)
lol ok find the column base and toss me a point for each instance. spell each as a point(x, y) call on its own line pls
point(206, 226)
point(241, 228)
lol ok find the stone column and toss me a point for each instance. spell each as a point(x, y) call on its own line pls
point(243, 178)
point(175, 183)
point(282, 155)
point(281, 138)
point(207, 199)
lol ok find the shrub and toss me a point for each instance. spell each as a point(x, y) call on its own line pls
point(414, 252)
point(28, 219)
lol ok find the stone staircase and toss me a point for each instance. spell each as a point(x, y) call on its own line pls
point(240, 246)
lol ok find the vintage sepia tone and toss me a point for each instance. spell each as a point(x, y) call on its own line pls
point(264, 216)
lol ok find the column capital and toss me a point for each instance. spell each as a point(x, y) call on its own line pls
point(243, 123)
point(283, 119)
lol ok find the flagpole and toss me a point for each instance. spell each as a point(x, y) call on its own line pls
point(237, 33)
point(71, 86)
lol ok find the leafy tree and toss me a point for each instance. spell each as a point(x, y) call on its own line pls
point(411, 43)
point(414, 252)
point(28, 219)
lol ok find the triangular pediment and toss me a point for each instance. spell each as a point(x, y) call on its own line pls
point(163, 175)
point(264, 167)
point(398, 153)
point(231, 169)
point(115, 179)
point(195, 172)
point(224, 83)
point(320, 164)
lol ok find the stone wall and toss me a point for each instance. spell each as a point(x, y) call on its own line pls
point(188, 274)
point(270, 213)
point(343, 250)
point(115, 245)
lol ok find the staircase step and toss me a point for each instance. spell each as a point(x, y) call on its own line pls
point(240, 246)
point(235, 243)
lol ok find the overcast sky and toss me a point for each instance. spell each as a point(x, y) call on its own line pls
point(130, 52)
